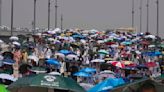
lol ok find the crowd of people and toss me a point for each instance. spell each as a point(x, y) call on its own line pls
point(87, 56)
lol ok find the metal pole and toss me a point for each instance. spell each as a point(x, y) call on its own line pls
point(157, 17)
point(147, 28)
point(61, 21)
point(132, 13)
point(34, 17)
point(48, 14)
point(0, 12)
point(12, 12)
point(56, 6)
point(140, 15)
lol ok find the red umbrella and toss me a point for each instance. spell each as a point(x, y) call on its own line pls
point(109, 43)
point(118, 64)
point(151, 64)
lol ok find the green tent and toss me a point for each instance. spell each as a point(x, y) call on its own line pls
point(46, 82)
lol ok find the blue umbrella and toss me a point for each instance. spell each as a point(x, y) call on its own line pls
point(8, 61)
point(53, 62)
point(88, 70)
point(82, 74)
point(107, 85)
point(65, 52)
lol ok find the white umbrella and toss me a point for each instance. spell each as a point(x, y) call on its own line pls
point(14, 38)
point(1, 41)
point(71, 57)
point(55, 73)
point(35, 58)
point(51, 39)
point(107, 72)
point(60, 55)
point(7, 77)
point(150, 36)
point(1, 57)
point(151, 46)
point(16, 43)
point(98, 60)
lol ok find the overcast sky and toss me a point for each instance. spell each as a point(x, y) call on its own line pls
point(86, 14)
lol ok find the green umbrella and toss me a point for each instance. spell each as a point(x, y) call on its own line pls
point(46, 81)
point(3, 88)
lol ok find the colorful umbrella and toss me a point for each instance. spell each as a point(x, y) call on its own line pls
point(103, 52)
point(82, 74)
point(60, 55)
point(98, 60)
point(65, 52)
point(88, 70)
point(3, 88)
point(118, 64)
point(7, 77)
point(53, 62)
point(107, 85)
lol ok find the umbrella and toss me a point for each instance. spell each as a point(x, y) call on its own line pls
point(3, 88)
point(38, 70)
point(126, 43)
point(60, 55)
point(65, 52)
point(53, 62)
point(86, 86)
point(72, 57)
point(107, 85)
point(1, 41)
point(106, 74)
point(151, 64)
point(54, 73)
point(35, 58)
point(45, 81)
point(14, 38)
point(82, 74)
point(88, 70)
point(97, 60)
point(8, 61)
point(7, 77)
point(118, 64)
point(150, 36)
point(103, 52)
point(127, 62)
point(16, 43)
point(142, 66)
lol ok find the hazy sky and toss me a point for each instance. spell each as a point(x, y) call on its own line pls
point(87, 14)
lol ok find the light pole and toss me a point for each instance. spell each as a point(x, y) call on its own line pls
point(140, 15)
point(49, 14)
point(157, 2)
point(56, 8)
point(12, 12)
point(61, 21)
point(34, 24)
point(132, 13)
point(147, 27)
point(0, 12)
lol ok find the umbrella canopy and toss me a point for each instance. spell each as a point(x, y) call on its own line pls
point(1, 41)
point(54, 73)
point(3, 88)
point(86, 86)
point(98, 60)
point(103, 52)
point(60, 55)
point(127, 62)
point(7, 77)
point(45, 81)
point(118, 64)
point(72, 57)
point(14, 38)
point(65, 52)
point(151, 64)
point(16, 43)
point(88, 70)
point(53, 62)
point(82, 74)
point(35, 58)
point(107, 85)
point(8, 61)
